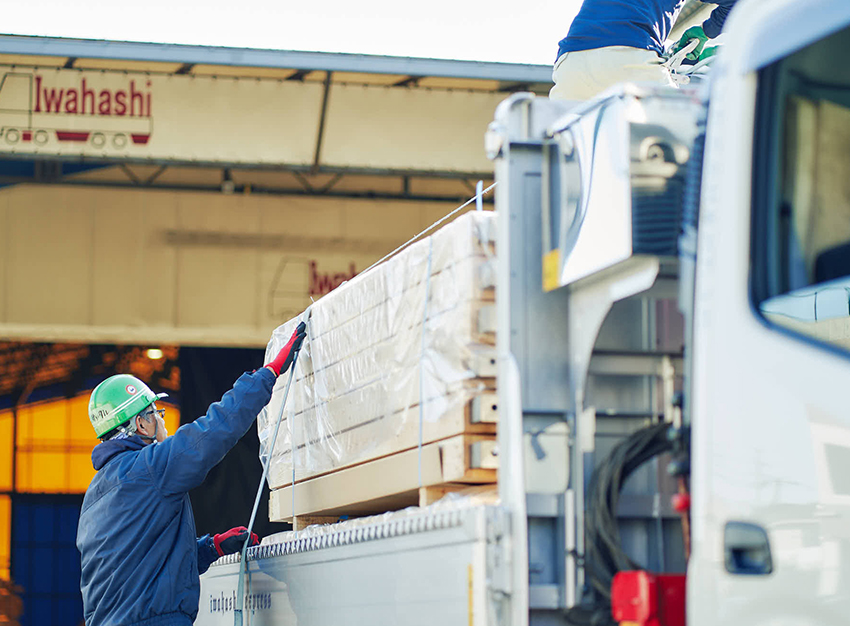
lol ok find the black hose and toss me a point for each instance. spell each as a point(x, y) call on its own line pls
point(604, 556)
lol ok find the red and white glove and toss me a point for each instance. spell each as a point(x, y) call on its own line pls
point(233, 540)
point(284, 358)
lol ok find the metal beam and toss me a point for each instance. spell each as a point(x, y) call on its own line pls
point(260, 167)
point(304, 182)
point(249, 57)
point(330, 184)
point(512, 87)
point(150, 179)
point(299, 75)
point(410, 81)
point(132, 176)
point(257, 190)
point(609, 363)
point(322, 118)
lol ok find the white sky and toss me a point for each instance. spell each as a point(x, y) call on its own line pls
point(519, 31)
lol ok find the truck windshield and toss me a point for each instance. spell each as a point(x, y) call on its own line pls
point(802, 240)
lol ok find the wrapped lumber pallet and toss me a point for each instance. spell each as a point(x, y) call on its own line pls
point(397, 372)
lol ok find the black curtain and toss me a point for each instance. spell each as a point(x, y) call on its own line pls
point(226, 497)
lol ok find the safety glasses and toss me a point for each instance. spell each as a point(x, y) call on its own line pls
point(150, 414)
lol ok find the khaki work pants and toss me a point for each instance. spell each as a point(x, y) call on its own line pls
point(584, 74)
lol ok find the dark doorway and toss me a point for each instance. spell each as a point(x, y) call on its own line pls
point(227, 496)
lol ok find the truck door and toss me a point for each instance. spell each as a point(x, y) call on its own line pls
point(771, 409)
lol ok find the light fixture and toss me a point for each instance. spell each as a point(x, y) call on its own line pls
point(154, 353)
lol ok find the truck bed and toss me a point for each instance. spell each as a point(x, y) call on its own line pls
point(418, 566)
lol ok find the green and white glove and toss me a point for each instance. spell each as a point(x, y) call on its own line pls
point(708, 52)
point(694, 32)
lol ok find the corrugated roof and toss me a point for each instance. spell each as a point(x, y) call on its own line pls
point(306, 68)
point(179, 58)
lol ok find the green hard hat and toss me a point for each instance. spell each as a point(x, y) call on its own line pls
point(117, 400)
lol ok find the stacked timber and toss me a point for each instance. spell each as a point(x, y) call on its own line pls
point(393, 399)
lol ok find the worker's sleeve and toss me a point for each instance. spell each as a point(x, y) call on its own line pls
point(207, 554)
point(714, 24)
point(182, 461)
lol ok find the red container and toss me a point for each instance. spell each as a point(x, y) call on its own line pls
point(647, 599)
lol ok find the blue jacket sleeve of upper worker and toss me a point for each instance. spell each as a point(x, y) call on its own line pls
point(182, 461)
point(714, 24)
point(207, 554)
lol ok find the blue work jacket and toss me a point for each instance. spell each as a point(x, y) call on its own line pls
point(643, 24)
point(140, 555)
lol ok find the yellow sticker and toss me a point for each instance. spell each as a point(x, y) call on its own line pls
point(551, 270)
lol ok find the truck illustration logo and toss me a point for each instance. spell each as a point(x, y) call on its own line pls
point(34, 111)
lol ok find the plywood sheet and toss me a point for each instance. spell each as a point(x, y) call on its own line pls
point(389, 483)
point(379, 437)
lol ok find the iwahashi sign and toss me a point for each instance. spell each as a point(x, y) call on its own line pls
point(157, 116)
point(85, 100)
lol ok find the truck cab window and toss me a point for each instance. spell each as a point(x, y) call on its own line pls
point(801, 243)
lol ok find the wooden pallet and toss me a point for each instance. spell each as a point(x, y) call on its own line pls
point(482, 494)
point(389, 483)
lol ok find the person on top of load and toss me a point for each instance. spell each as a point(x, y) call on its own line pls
point(140, 556)
point(612, 41)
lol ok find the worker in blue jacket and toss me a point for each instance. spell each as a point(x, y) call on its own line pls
point(140, 556)
point(611, 41)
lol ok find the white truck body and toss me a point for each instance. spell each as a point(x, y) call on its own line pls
point(411, 569)
point(766, 404)
point(590, 350)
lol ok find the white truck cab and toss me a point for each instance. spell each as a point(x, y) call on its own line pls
point(770, 426)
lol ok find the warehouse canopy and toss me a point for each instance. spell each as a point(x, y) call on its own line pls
point(174, 195)
point(170, 195)
point(275, 121)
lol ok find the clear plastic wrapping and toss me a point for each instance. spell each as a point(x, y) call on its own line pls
point(392, 358)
